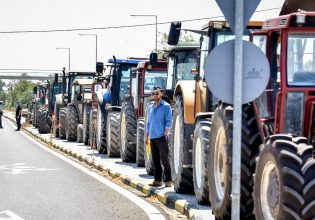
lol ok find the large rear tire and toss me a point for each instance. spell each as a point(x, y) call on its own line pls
point(128, 129)
point(140, 143)
point(278, 189)
point(72, 123)
point(100, 132)
point(43, 128)
point(86, 123)
point(220, 160)
point(62, 122)
point(112, 134)
point(200, 160)
point(181, 146)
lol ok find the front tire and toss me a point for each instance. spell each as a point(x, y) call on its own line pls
point(80, 133)
point(128, 126)
point(100, 132)
point(181, 146)
point(112, 136)
point(43, 128)
point(86, 123)
point(220, 160)
point(72, 123)
point(62, 122)
point(200, 160)
point(278, 189)
point(140, 143)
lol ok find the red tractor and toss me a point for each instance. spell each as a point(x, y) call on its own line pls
point(143, 78)
point(283, 119)
point(284, 183)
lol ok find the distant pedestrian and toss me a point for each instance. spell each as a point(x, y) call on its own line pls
point(157, 129)
point(1, 113)
point(18, 115)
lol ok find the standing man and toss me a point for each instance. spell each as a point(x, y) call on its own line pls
point(157, 129)
point(1, 113)
point(18, 115)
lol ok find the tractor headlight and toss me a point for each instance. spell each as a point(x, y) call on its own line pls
point(293, 114)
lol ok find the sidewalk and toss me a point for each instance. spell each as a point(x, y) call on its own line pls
point(129, 173)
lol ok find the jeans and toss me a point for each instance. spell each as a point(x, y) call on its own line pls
point(159, 149)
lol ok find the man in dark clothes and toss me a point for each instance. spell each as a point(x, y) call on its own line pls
point(18, 115)
point(157, 129)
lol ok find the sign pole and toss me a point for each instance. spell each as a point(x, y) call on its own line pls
point(237, 113)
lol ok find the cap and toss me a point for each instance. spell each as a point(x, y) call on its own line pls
point(157, 88)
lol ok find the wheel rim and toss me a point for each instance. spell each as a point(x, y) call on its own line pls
point(123, 132)
point(220, 163)
point(269, 191)
point(198, 162)
point(176, 145)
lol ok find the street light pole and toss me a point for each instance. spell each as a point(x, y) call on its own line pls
point(156, 27)
point(66, 48)
point(95, 44)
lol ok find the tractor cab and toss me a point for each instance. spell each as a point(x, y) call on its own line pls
point(76, 77)
point(143, 79)
point(120, 78)
point(182, 61)
point(287, 105)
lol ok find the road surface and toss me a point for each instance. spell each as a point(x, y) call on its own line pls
point(37, 184)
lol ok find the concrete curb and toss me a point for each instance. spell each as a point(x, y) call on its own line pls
point(171, 201)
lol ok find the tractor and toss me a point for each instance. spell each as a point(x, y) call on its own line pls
point(193, 109)
point(92, 122)
point(45, 113)
point(69, 104)
point(119, 77)
point(143, 78)
point(39, 100)
point(284, 180)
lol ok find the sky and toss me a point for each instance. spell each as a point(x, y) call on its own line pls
point(38, 50)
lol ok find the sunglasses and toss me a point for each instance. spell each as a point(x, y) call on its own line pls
point(155, 93)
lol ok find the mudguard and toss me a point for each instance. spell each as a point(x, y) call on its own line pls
point(186, 89)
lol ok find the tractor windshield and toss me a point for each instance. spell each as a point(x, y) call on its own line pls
point(154, 79)
point(301, 60)
point(185, 63)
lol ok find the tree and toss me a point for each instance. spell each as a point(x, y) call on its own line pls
point(20, 90)
point(2, 92)
point(162, 43)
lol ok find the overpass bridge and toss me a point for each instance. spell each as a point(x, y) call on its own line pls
point(27, 75)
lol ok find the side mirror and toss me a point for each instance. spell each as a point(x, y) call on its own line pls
point(56, 78)
point(99, 67)
point(133, 72)
point(173, 35)
point(153, 58)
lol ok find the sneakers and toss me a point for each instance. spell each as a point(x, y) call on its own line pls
point(168, 184)
point(156, 183)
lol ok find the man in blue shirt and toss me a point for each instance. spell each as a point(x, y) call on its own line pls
point(157, 129)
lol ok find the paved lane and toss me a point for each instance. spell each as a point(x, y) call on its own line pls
point(34, 184)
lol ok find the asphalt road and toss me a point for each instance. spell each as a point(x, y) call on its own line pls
point(35, 184)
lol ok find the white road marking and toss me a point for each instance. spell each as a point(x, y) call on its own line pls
point(9, 215)
point(150, 210)
point(20, 168)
